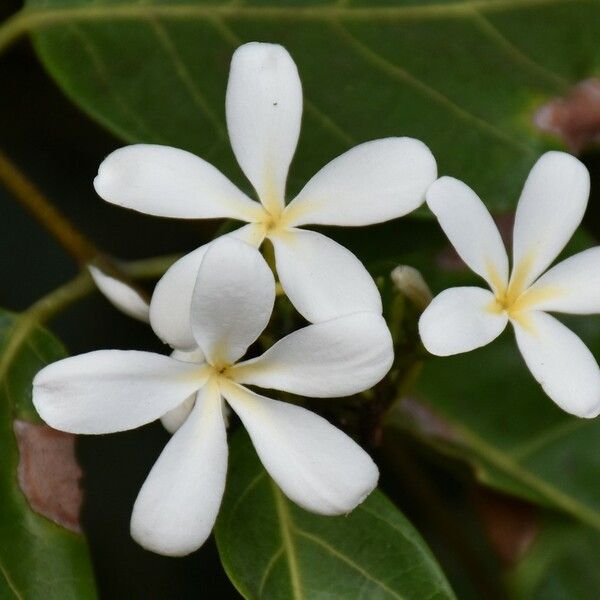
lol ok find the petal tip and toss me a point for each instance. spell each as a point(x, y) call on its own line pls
point(441, 191)
point(259, 50)
point(556, 161)
point(159, 544)
point(109, 177)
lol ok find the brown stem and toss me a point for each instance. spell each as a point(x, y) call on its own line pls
point(74, 242)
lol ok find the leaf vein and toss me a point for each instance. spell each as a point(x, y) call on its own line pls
point(398, 73)
point(508, 465)
point(323, 119)
point(100, 69)
point(11, 586)
point(33, 18)
point(549, 436)
point(339, 555)
point(276, 556)
point(182, 71)
point(245, 493)
point(517, 55)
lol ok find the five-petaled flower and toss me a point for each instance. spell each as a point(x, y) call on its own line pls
point(551, 207)
point(316, 465)
point(373, 182)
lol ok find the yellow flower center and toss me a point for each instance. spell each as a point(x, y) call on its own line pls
point(275, 220)
point(517, 298)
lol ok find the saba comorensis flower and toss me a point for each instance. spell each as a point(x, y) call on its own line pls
point(550, 209)
point(316, 465)
point(371, 183)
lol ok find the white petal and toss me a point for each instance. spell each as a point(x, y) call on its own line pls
point(193, 356)
point(121, 295)
point(172, 297)
point(322, 279)
point(470, 229)
point(550, 209)
point(264, 109)
point(233, 300)
point(459, 320)
point(168, 182)
point(373, 182)
point(561, 363)
point(315, 464)
point(336, 358)
point(176, 417)
point(178, 504)
point(572, 286)
point(112, 390)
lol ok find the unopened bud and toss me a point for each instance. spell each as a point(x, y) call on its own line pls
point(410, 283)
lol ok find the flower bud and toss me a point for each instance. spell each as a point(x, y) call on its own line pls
point(410, 283)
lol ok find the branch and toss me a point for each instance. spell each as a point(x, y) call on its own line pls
point(51, 304)
point(147, 268)
point(11, 30)
point(74, 242)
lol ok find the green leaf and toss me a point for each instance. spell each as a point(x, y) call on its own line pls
point(38, 558)
point(562, 563)
point(271, 548)
point(484, 407)
point(466, 77)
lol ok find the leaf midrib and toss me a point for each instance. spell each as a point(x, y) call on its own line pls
point(286, 526)
point(508, 465)
point(32, 18)
point(38, 18)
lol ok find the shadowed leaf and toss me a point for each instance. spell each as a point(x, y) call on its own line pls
point(38, 558)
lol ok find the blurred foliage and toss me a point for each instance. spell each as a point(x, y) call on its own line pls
point(560, 564)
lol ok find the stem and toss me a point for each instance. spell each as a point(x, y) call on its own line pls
point(80, 286)
point(11, 30)
point(147, 268)
point(75, 243)
point(51, 304)
point(42, 311)
point(57, 300)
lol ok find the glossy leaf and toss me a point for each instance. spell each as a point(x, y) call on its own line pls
point(38, 558)
point(465, 77)
point(485, 408)
point(271, 548)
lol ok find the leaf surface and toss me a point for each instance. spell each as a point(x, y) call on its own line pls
point(465, 76)
point(271, 548)
point(38, 558)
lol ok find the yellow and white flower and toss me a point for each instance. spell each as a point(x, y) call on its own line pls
point(316, 465)
point(373, 182)
point(550, 209)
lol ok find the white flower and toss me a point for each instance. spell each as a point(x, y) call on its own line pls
point(550, 209)
point(122, 296)
point(129, 301)
point(373, 182)
point(315, 464)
